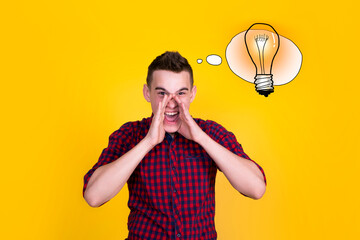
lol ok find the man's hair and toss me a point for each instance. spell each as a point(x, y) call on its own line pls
point(171, 61)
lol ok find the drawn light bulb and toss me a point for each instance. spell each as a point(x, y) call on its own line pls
point(262, 43)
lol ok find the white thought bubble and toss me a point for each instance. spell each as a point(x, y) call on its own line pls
point(212, 59)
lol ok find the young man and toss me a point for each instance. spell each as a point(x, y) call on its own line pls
point(170, 160)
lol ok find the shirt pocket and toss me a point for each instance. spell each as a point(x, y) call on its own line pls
point(198, 166)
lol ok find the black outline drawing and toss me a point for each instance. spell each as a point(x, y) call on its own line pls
point(264, 84)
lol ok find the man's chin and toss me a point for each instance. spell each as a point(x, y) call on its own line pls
point(172, 128)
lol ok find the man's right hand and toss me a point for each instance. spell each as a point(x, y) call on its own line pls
point(156, 132)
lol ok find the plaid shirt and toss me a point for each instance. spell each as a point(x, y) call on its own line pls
point(172, 190)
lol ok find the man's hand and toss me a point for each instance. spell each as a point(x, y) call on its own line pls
point(156, 132)
point(189, 128)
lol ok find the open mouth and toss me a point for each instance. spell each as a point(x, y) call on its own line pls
point(171, 117)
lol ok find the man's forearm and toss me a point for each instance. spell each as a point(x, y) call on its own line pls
point(243, 174)
point(108, 180)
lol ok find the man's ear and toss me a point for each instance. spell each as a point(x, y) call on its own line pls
point(193, 93)
point(146, 92)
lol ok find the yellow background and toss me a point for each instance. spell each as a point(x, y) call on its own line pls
point(72, 73)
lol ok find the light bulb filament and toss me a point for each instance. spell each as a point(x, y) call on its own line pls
point(260, 43)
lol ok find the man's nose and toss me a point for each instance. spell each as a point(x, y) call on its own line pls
point(172, 103)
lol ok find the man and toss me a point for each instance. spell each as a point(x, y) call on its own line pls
point(170, 160)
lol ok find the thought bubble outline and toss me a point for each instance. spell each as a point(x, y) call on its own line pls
point(244, 68)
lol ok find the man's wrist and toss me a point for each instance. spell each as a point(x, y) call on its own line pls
point(202, 138)
point(148, 143)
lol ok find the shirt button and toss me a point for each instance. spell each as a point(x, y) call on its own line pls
point(174, 168)
point(174, 190)
point(178, 235)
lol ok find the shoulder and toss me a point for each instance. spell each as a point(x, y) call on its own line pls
point(211, 128)
point(131, 128)
point(208, 124)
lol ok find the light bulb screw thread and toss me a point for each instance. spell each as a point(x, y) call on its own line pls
point(264, 84)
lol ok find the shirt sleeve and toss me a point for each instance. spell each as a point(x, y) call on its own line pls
point(119, 144)
point(228, 140)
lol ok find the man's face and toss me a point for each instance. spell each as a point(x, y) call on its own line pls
point(173, 84)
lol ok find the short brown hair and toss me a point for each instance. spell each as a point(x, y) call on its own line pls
point(171, 61)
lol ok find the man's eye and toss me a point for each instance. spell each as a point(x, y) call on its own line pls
point(161, 93)
point(181, 93)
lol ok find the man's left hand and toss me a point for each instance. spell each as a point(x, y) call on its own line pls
point(188, 128)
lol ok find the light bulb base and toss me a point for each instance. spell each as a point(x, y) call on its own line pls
point(264, 84)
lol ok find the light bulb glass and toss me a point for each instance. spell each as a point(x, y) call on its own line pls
point(262, 43)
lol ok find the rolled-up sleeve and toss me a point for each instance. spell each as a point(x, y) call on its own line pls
point(229, 142)
point(119, 144)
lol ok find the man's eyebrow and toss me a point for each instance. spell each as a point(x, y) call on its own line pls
point(183, 89)
point(163, 89)
point(160, 88)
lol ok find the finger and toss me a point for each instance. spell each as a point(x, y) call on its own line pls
point(157, 114)
point(177, 99)
point(183, 109)
point(159, 108)
point(164, 103)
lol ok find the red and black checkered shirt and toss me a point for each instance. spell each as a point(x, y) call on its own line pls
point(172, 190)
